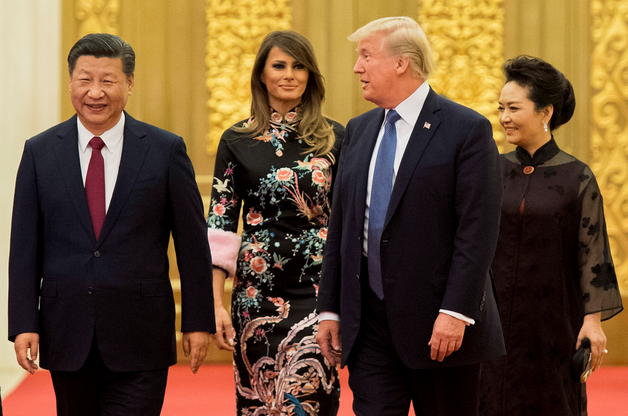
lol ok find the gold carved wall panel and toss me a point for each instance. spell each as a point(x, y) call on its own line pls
point(466, 37)
point(97, 16)
point(236, 28)
point(609, 129)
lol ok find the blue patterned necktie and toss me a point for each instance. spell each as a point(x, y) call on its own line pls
point(381, 189)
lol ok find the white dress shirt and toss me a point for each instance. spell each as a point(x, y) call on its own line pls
point(111, 154)
point(409, 111)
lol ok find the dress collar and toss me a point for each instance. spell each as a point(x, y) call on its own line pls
point(543, 154)
point(288, 122)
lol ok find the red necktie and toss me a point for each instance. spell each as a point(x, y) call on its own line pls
point(95, 185)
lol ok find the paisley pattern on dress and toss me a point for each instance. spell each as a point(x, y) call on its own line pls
point(284, 193)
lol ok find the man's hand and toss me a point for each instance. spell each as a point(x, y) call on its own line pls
point(195, 346)
point(224, 338)
point(447, 336)
point(28, 341)
point(328, 338)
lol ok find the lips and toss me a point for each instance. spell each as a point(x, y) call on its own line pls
point(96, 106)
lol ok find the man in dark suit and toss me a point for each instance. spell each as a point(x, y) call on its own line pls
point(96, 200)
point(406, 297)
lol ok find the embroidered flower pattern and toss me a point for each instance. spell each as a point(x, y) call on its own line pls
point(282, 196)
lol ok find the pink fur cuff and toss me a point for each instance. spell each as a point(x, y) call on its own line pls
point(224, 246)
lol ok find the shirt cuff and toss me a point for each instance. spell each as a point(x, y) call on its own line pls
point(457, 315)
point(328, 316)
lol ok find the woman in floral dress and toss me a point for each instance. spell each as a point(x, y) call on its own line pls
point(277, 167)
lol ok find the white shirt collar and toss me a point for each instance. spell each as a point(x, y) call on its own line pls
point(112, 138)
point(410, 108)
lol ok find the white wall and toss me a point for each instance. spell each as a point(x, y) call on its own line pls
point(30, 65)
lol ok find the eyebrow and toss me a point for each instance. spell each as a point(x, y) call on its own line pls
point(279, 61)
point(89, 72)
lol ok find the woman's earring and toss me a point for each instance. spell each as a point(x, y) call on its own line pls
point(545, 127)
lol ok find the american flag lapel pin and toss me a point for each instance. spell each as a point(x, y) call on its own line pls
point(427, 125)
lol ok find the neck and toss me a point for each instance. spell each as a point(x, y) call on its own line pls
point(403, 90)
point(283, 108)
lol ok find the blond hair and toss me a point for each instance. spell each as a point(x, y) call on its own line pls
point(403, 36)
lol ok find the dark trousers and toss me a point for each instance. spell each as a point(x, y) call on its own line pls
point(383, 385)
point(96, 390)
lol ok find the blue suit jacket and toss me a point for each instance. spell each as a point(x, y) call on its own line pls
point(439, 236)
point(67, 286)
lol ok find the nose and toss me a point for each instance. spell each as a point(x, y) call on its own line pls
point(358, 68)
point(504, 116)
point(95, 90)
point(288, 75)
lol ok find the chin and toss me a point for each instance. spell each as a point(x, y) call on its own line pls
point(370, 98)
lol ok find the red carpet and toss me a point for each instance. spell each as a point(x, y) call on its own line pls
point(211, 392)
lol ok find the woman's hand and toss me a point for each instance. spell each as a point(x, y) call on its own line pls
point(592, 329)
point(225, 334)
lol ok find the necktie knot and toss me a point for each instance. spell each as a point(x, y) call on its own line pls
point(96, 143)
point(392, 116)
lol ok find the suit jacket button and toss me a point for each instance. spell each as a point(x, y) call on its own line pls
point(90, 290)
point(96, 254)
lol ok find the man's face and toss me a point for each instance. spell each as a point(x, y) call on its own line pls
point(99, 91)
point(378, 71)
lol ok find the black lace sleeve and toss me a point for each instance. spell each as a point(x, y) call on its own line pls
point(597, 273)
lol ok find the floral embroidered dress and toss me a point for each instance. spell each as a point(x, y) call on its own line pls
point(284, 194)
point(552, 267)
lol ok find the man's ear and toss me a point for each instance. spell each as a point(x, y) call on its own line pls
point(130, 82)
point(403, 64)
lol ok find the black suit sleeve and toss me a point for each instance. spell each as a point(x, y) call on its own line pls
point(477, 205)
point(189, 232)
point(25, 259)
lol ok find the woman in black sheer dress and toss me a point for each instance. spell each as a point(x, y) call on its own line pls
point(553, 269)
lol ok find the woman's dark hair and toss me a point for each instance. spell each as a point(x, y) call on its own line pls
point(546, 86)
point(103, 45)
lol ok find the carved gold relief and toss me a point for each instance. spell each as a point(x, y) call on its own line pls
point(466, 38)
point(609, 130)
point(236, 28)
point(97, 16)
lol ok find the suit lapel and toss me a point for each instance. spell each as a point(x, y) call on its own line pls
point(419, 140)
point(365, 146)
point(68, 160)
point(134, 149)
